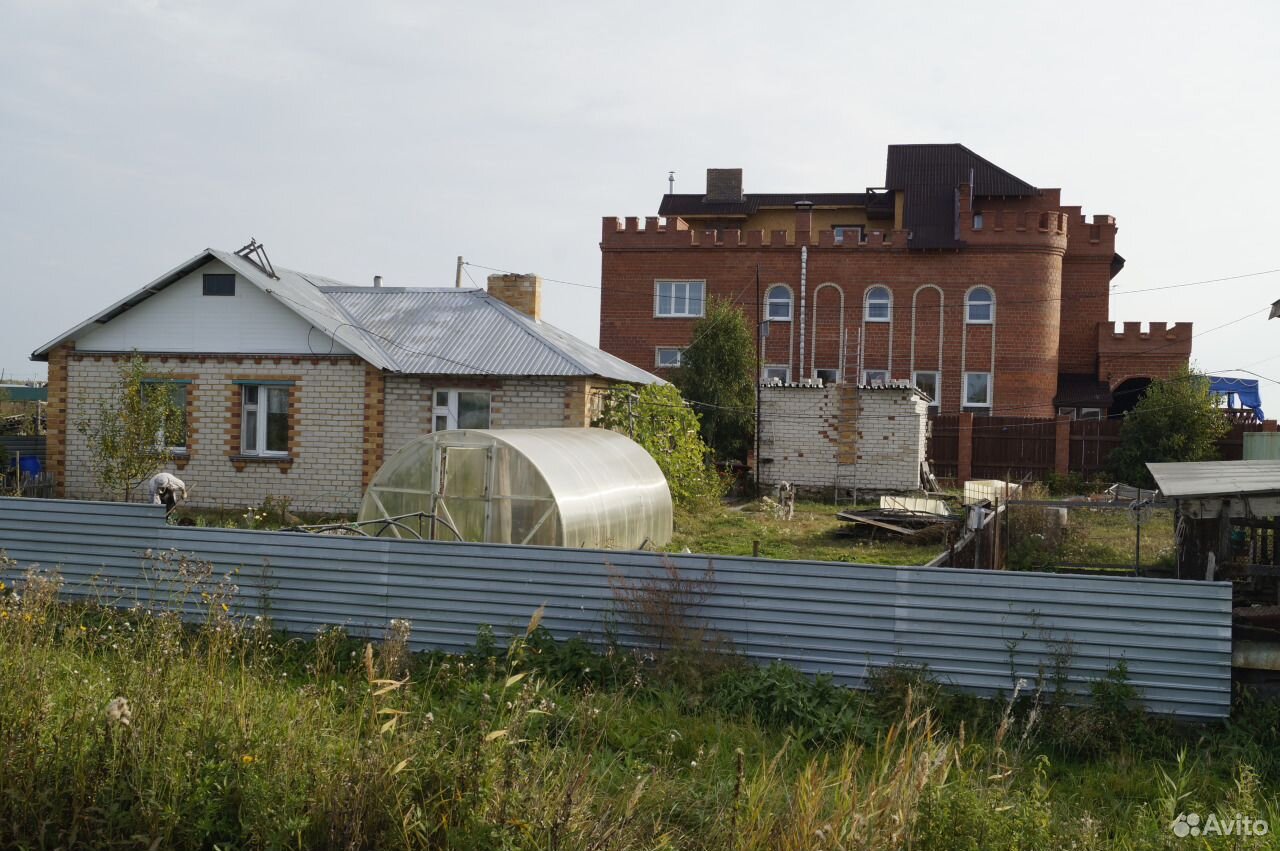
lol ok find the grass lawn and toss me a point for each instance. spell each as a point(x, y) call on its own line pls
point(1091, 536)
point(814, 532)
point(231, 736)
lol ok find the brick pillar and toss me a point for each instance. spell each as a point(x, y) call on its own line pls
point(847, 439)
point(964, 448)
point(375, 395)
point(1269, 425)
point(1062, 446)
point(56, 419)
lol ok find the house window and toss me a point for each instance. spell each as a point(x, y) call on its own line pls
point(879, 304)
point(875, 377)
point(980, 306)
point(977, 221)
point(977, 390)
point(219, 284)
point(678, 298)
point(1090, 413)
point(928, 384)
point(828, 376)
point(851, 234)
point(460, 409)
point(172, 435)
point(1067, 412)
point(264, 419)
point(667, 357)
point(777, 373)
point(779, 301)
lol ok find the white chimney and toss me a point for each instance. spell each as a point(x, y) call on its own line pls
point(377, 280)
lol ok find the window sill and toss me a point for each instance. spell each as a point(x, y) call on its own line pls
point(284, 462)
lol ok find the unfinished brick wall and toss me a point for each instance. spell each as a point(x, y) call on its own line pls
point(871, 439)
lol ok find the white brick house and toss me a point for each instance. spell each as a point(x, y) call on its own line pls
point(298, 386)
point(844, 436)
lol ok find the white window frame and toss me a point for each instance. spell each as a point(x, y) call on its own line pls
point(869, 381)
point(660, 350)
point(835, 375)
point(1067, 412)
point(770, 300)
point(695, 306)
point(161, 443)
point(786, 373)
point(969, 304)
point(1090, 414)
point(867, 302)
point(977, 221)
point(964, 389)
point(261, 408)
point(937, 385)
point(449, 408)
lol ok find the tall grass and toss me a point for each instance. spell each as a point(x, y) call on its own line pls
point(230, 736)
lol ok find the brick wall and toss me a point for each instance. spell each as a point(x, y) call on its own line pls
point(928, 291)
point(326, 448)
point(869, 438)
point(514, 403)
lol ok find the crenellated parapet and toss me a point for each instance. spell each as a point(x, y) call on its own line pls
point(1017, 225)
point(655, 232)
point(1133, 340)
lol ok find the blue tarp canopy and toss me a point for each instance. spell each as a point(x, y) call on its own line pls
point(1245, 389)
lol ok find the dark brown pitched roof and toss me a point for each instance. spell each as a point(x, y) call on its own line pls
point(693, 205)
point(928, 176)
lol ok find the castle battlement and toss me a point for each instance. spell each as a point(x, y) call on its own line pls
point(676, 233)
point(1133, 340)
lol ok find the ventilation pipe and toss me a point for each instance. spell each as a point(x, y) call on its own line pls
point(804, 225)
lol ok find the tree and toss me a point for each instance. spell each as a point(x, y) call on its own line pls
point(718, 372)
point(1177, 419)
point(657, 418)
point(133, 427)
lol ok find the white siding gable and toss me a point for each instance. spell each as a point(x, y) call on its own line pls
point(180, 318)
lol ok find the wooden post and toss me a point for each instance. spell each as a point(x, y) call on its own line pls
point(1062, 445)
point(964, 448)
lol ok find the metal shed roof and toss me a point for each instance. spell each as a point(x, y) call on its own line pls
point(1190, 480)
point(469, 332)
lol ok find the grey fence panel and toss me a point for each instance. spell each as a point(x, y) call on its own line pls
point(979, 631)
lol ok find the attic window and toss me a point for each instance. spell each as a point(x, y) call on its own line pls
point(219, 284)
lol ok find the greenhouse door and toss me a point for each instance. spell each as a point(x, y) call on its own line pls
point(462, 498)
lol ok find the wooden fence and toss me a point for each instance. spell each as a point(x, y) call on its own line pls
point(964, 447)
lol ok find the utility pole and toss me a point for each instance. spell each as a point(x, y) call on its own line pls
point(457, 275)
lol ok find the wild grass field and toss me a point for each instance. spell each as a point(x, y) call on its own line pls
point(125, 728)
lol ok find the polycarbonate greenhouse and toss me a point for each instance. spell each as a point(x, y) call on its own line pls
point(564, 487)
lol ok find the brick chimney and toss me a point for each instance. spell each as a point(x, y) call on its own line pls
point(523, 292)
point(724, 184)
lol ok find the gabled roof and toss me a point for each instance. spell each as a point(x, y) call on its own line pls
point(413, 331)
point(295, 290)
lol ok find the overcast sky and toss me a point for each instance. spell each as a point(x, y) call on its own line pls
point(386, 138)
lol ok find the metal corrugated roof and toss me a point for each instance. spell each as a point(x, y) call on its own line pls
point(422, 331)
point(928, 176)
point(469, 332)
point(1216, 478)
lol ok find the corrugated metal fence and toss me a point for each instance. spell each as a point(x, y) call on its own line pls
point(976, 630)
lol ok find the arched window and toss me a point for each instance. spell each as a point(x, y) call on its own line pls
point(779, 301)
point(980, 306)
point(878, 304)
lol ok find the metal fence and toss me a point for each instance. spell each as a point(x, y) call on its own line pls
point(976, 630)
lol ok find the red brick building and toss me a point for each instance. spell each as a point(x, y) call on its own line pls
point(986, 291)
